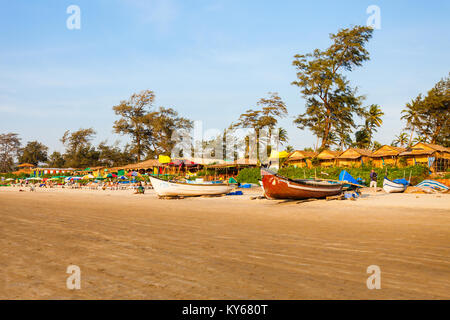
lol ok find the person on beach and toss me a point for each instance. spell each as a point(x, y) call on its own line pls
point(139, 189)
point(373, 179)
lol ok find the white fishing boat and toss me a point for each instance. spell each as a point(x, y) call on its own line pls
point(392, 187)
point(180, 189)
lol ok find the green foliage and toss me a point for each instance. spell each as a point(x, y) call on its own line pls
point(150, 130)
point(418, 173)
point(271, 109)
point(428, 115)
point(249, 175)
point(9, 148)
point(34, 152)
point(331, 102)
point(362, 139)
point(56, 160)
point(207, 172)
point(315, 161)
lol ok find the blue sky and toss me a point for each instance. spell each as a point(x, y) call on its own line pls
point(210, 60)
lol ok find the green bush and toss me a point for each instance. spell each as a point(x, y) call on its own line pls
point(249, 175)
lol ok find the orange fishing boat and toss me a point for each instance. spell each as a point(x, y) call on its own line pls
point(279, 187)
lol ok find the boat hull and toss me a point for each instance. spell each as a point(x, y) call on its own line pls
point(176, 189)
point(392, 187)
point(278, 187)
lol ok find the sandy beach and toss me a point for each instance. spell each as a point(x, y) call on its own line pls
point(141, 247)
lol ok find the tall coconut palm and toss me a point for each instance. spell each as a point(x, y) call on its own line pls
point(411, 116)
point(282, 135)
point(289, 149)
point(401, 140)
point(373, 120)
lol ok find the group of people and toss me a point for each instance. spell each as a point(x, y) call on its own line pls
point(139, 187)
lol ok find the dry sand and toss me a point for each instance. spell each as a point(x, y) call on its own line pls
point(140, 247)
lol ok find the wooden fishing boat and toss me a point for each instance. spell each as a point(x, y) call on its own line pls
point(279, 187)
point(393, 187)
point(180, 189)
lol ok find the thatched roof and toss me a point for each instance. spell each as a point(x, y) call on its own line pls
point(26, 165)
point(436, 147)
point(359, 153)
point(422, 148)
point(301, 155)
point(393, 151)
point(328, 154)
point(147, 164)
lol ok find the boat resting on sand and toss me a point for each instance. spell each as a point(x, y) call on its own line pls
point(393, 187)
point(279, 187)
point(165, 188)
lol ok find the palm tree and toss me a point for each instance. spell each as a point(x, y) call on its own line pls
point(289, 149)
point(282, 135)
point(419, 139)
point(376, 145)
point(401, 139)
point(373, 120)
point(411, 116)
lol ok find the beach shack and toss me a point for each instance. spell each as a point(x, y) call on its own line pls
point(436, 157)
point(24, 168)
point(353, 157)
point(43, 171)
point(301, 158)
point(327, 158)
point(230, 169)
point(151, 166)
point(386, 155)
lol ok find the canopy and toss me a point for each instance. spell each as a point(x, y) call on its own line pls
point(97, 174)
point(87, 169)
point(88, 176)
point(347, 177)
point(163, 159)
point(179, 162)
point(276, 154)
point(26, 165)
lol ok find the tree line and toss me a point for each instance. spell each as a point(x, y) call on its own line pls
point(332, 109)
